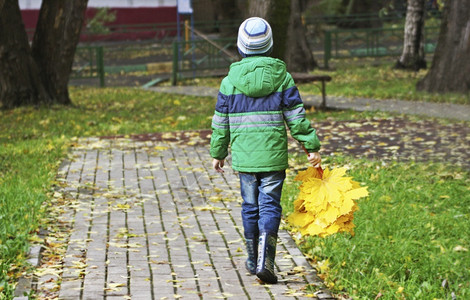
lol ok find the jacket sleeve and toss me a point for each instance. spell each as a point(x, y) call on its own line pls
point(294, 115)
point(220, 138)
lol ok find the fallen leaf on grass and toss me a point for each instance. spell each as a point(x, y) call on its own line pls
point(460, 249)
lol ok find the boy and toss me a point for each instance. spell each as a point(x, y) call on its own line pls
point(256, 99)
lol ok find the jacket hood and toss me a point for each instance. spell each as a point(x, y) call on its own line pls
point(257, 76)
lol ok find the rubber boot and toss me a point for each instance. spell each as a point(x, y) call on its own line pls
point(252, 251)
point(266, 255)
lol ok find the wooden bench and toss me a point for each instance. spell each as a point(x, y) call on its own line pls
point(307, 78)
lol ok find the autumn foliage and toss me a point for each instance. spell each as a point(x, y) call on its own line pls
point(326, 202)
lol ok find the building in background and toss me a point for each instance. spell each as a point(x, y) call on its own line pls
point(134, 19)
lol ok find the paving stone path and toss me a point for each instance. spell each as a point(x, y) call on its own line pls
point(149, 220)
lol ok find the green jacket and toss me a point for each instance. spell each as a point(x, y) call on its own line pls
point(256, 101)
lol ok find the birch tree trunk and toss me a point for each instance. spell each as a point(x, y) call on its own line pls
point(413, 57)
point(450, 67)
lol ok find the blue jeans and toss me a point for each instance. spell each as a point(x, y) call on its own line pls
point(261, 207)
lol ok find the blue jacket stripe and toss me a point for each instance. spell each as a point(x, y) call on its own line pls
point(292, 97)
point(221, 105)
point(242, 103)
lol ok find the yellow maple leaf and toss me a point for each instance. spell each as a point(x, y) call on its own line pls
point(346, 206)
point(332, 194)
point(311, 229)
point(355, 184)
point(299, 204)
point(301, 219)
point(325, 205)
point(357, 193)
point(315, 207)
point(345, 218)
point(333, 228)
point(330, 215)
point(348, 227)
point(308, 174)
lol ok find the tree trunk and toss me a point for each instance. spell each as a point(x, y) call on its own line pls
point(227, 10)
point(290, 42)
point(19, 76)
point(54, 43)
point(260, 8)
point(38, 75)
point(369, 9)
point(298, 57)
point(277, 14)
point(412, 57)
point(451, 62)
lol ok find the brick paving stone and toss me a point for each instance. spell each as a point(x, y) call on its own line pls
point(151, 221)
point(70, 289)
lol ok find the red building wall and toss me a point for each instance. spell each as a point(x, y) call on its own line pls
point(131, 23)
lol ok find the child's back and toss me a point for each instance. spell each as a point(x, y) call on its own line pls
point(256, 101)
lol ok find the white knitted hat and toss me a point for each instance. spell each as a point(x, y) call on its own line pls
point(254, 37)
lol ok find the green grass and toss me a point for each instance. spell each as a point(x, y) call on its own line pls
point(364, 78)
point(33, 141)
point(411, 238)
point(380, 82)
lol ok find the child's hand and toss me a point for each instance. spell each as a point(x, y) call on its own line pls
point(315, 159)
point(218, 165)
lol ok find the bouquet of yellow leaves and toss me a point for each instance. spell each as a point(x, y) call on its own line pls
point(326, 202)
